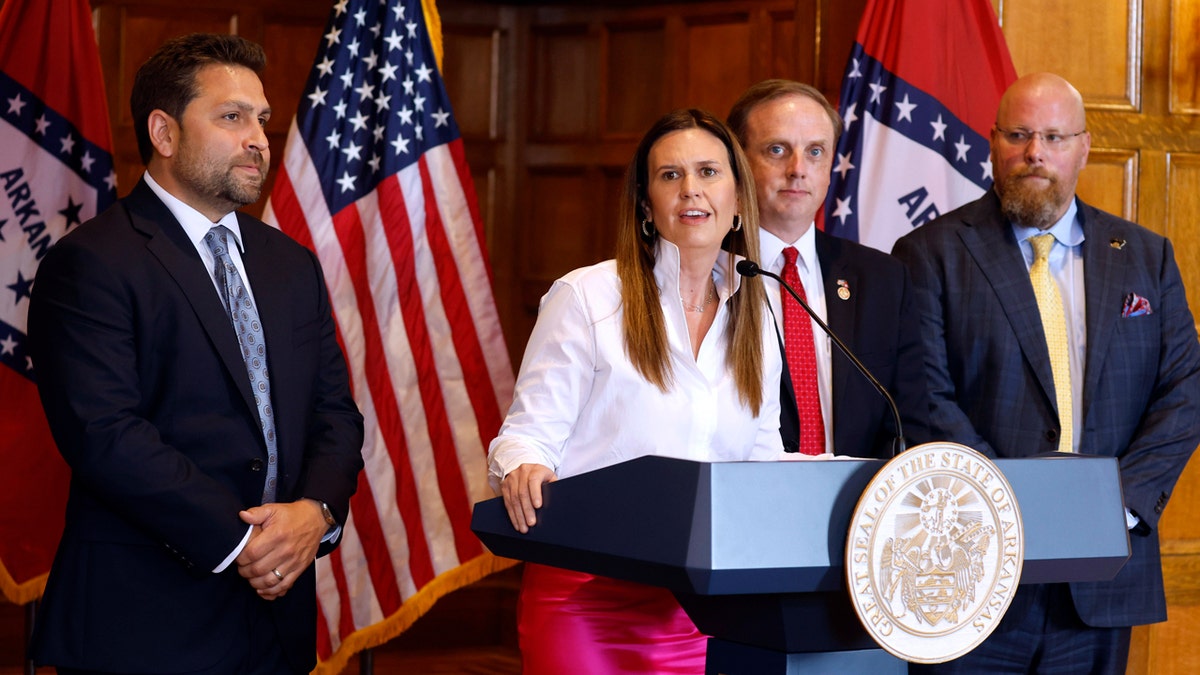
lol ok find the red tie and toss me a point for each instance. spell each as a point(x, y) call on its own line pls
point(801, 359)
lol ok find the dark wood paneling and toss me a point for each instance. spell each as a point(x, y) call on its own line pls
point(635, 91)
point(716, 65)
point(565, 83)
point(471, 72)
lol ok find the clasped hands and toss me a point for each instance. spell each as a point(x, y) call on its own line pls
point(283, 543)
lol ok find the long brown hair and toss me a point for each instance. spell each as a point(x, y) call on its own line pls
point(643, 322)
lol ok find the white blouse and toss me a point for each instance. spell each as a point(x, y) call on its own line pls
point(581, 405)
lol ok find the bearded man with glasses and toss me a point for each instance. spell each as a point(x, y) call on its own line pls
point(1052, 326)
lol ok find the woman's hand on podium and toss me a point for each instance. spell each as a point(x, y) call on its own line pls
point(522, 491)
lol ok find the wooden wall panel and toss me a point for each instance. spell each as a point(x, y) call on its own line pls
point(471, 72)
point(1095, 45)
point(635, 90)
point(783, 46)
point(1109, 181)
point(1185, 57)
point(565, 92)
point(1183, 222)
point(829, 49)
point(1182, 630)
point(560, 206)
point(716, 62)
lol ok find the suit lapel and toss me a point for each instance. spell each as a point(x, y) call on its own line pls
point(840, 314)
point(1103, 279)
point(991, 244)
point(169, 244)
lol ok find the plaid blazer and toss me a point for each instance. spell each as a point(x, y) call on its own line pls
point(988, 368)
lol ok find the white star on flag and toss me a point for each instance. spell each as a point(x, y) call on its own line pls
point(961, 148)
point(939, 129)
point(843, 165)
point(843, 209)
point(906, 109)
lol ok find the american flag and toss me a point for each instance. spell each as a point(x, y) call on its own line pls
point(917, 113)
point(56, 171)
point(375, 181)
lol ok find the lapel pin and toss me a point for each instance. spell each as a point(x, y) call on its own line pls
point(843, 289)
point(1117, 243)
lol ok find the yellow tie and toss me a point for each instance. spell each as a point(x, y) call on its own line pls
point(1054, 323)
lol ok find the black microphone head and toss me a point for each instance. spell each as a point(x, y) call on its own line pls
point(747, 268)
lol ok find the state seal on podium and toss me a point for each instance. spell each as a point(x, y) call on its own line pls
point(934, 552)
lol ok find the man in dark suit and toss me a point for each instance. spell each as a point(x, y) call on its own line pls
point(1125, 381)
point(197, 505)
point(789, 132)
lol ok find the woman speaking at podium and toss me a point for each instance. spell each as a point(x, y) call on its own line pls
point(663, 351)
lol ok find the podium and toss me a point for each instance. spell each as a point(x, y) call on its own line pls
point(754, 551)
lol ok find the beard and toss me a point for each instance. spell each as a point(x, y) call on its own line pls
point(217, 181)
point(1031, 205)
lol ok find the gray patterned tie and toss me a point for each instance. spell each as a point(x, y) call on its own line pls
point(250, 337)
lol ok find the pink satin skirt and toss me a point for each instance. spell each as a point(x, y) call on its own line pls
point(577, 624)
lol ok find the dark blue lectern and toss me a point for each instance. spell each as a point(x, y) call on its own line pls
point(754, 550)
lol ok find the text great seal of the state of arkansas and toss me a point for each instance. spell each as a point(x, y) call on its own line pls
point(934, 552)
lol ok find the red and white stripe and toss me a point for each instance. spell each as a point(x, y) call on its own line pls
point(411, 292)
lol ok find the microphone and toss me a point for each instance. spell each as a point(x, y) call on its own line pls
point(749, 268)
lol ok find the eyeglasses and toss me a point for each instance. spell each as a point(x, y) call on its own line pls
point(1021, 137)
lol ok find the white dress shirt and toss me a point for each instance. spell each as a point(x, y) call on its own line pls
point(581, 405)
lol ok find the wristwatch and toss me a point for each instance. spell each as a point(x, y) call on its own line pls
point(328, 515)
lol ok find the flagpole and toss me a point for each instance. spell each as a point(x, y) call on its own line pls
point(30, 617)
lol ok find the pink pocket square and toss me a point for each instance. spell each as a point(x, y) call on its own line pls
point(1135, 305)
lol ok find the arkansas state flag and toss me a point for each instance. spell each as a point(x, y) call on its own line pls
point(56, 171)
point(918, 100)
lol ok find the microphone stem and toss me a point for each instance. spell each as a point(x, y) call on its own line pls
point(898, 445)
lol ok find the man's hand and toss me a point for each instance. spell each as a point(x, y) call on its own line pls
point(522, 490)
point(283, 543)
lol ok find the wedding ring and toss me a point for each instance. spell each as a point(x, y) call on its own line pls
point(277, 574)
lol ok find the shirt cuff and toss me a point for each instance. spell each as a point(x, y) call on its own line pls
point(236, 552)
point(1131, 521)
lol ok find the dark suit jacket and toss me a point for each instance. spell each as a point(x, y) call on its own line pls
point(989, 368)
point(878, 324)
point(148, 399)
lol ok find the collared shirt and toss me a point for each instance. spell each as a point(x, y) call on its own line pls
point(1066, 266)
point(581, 405)
point(196, 225)
point(809, 268)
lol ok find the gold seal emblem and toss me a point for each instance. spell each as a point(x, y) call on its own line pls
point(934, 552)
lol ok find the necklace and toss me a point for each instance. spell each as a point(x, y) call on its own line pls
point(699, 309)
